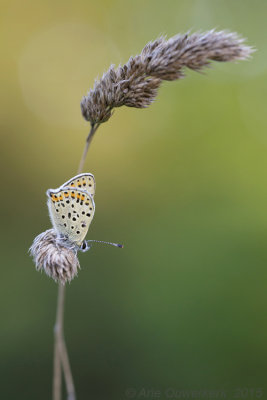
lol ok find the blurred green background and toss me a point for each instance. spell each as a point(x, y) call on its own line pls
point(181, 184)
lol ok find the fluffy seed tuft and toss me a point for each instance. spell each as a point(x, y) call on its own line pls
point(57, 260)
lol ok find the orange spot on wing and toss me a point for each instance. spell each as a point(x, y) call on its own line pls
point(55, 198)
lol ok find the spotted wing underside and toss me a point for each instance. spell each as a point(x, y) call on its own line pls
point(71, 211)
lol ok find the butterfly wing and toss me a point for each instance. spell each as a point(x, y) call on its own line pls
point(82, 181)
point(71, 211)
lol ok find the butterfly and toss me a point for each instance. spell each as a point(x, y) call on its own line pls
point(72, 208)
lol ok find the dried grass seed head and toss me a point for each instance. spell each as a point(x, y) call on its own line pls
point(56, 258)
point(136, 83)
point(127, 85)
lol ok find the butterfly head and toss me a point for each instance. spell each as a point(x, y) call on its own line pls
point(84, 247)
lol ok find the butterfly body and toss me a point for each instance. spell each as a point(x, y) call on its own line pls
point(71, 208)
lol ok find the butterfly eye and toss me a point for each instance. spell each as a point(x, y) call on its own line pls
point(84, 246)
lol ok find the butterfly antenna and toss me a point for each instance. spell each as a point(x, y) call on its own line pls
point(101, 241)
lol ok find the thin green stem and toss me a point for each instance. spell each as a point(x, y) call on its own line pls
point(87, 145)
point(61, 359)
point(57, 333)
